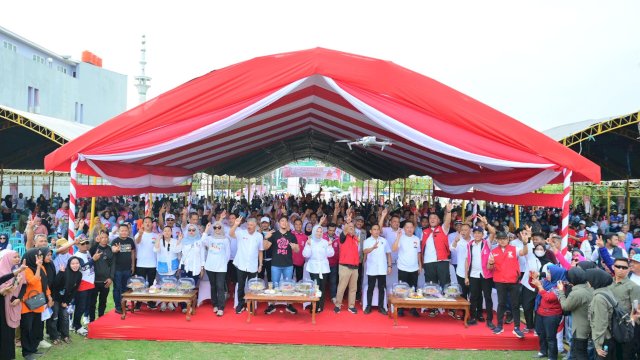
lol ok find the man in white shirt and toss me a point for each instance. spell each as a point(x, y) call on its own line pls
point(377, 252)
point(452, 236)
point(146, 262)
point(459, 248)
point(407, 245)
point(249, 257)
point(20, 202)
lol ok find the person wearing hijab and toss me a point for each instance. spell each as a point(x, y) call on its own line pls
point(600, 313)
point(318, 251)
point(10, 308)
point(218, 254)
point(548, 310)
point(577, 302)
point(31, 325)
point(4, 242)
point(64, 288)
point(193, 256)
point(586, 265)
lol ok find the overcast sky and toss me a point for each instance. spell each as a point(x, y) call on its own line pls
point(545, 63)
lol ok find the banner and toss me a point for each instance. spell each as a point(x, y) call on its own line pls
point(46, 191)
point(13, 190)
point(329, 173)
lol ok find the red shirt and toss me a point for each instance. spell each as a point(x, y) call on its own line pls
point(506, 268)
point(549, 303)
point(349, 254)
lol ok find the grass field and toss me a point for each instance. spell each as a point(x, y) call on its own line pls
point(87, 349)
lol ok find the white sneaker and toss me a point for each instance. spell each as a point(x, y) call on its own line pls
point(215, 309)
point(44, 344)
point(220, 313)
point(85, 320)
point(184, 311)
point(163, 307)
point(171, 307)
point(82, 332)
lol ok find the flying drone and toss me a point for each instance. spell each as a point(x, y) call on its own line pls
point(367, 141)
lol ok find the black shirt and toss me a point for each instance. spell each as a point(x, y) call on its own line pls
point(123, 257)
point(281, 252)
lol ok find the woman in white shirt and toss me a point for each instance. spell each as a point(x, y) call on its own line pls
point(167, 250)
point(218, 253)
point(377, 252)
point(318, 251)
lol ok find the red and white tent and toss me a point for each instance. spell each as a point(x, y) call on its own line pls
point(258, 115)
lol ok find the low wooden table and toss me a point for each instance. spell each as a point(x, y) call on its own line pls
point(190, 298)
point(458, 304)
point(253, 299)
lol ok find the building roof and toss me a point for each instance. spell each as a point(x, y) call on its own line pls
point(52, 54)
point(31, 136)
point(250, 118)
point(612, 143)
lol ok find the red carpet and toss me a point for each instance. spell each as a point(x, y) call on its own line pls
point(343, 329)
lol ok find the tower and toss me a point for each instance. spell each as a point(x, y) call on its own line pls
point(142, 80)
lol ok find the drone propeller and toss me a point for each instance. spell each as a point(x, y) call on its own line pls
point(344, 141)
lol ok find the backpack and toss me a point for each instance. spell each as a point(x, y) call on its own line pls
point(621, 325)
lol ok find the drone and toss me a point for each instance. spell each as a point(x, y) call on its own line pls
point(367, 141)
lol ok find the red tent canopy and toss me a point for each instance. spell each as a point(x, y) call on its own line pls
point(258, 115)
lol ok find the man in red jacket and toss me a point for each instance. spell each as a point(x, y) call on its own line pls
point(506, 276)
point(349, 259)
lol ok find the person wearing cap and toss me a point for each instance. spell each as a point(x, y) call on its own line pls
point(87, 284)
point(624, 291)
point(248, 260)
point(478, 277)
point(168, 219)
point(634, 274)
point(265, 228)
point(452, 236)
point(61, 256)
point(506, 276)
point(459, 248)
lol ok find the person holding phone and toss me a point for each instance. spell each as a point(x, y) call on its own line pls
point(549, 310)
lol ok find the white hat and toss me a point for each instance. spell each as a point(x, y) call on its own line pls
point(593, 228)
point(169, 216)
point(583, 222)
point(265, 219)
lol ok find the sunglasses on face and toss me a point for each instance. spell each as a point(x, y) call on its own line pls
point(575, 260)
point(217, 227)
point(191, 230)
point(3, 238)
point(621, 267)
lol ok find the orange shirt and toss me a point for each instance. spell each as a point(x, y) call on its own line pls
point(33, 284)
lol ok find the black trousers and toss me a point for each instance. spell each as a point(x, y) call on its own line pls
point(7, 336)
point(463, 287)
point(624, 351)
point(321, 283)
point(99, 298)
point(217, 283)
point(149, 274)
point(31, 331)
point(359, 291)
point(479, 288)
point(243, 276)
point(266, 270)
point(611, 354)
point(504, 290)
point(528, 302)
point(410, 278)
point(299, 271)
point(382, 289)
point(437, 272)
point(546, 328)
point(579, 348)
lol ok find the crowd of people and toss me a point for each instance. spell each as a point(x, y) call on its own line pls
point(565, 293)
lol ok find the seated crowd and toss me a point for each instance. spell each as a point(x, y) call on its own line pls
point(563, 292)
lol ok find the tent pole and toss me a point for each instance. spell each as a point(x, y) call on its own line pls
point(376, 199)
point(608, 204)
point(628, 201)
point(53, 183)
point(517, 216)
point(229, 185)
point(33, 185)
point(404, 190)
point(390, 196)
point(565, 207)
point(93, 206)
point(1, 178)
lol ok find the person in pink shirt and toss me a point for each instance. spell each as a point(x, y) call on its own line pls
point(298, 258)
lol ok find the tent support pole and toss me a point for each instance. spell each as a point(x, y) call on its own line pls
point(1, 178)
point(93, 206)
point(33, 190)
point(377, 190)
point(390, 195)
point(565, 207)
point(517, 216)
point(608, 204)
point(464, 210)
point(53, 183)
point(229, 185)
point(628, 202)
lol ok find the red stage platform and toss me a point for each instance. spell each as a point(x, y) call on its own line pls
point(343, 329)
